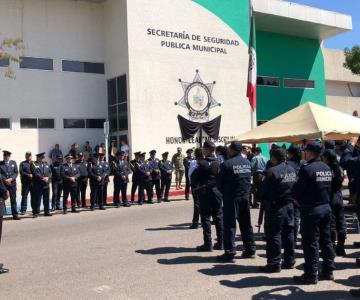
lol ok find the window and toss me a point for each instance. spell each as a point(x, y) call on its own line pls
point(123, 117)
point(28, 123)
point(46, 123)
point(268, 81)
point(83, 67)
point(95, 123)
point(4, 62)
point(74, 123)
point(299, 83)
point(121, 89)
point(4, 123)
point(36, 63)
point(111, 91)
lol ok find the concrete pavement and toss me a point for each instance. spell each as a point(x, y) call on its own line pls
point(142, 252)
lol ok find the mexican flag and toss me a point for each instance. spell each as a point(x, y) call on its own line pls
point(251, 88)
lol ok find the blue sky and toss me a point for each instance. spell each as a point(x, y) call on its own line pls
point(349, 7)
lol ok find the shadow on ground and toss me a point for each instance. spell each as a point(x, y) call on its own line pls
point(184, 226)
point(166, 250)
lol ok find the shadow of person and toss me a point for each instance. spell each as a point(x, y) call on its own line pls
point(257, 281)
point(187, 260)
point(352, 281)
point(166, 250)
point(229, 269)
point(346, 265)
point(184, 226)
point(294, 293)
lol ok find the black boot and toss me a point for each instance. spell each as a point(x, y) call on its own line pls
point(305, 279)
point(225, 258)
point(204, 248)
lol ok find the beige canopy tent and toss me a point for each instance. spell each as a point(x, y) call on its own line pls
point(307, 122)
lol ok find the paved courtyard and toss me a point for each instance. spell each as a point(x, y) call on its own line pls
point(142, 252)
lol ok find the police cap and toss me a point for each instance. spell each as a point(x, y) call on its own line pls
point(6, 153)
point(165, 154)
point(236, 146)
point(314, 147)
point(27, 153)
point(293, 149)
point(152, 152)
point(189, 151)
point(68, 156)
point(120, 153)
point(137, 153)
point(42, 155)
point(209, 145)
point(329, 145)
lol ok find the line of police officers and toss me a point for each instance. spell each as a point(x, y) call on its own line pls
point(71, 179)
point(310, 188)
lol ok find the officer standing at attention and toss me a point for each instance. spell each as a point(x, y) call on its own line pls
point(178, 162)
point(3, 196)
point(166, 168)
point(26, 181)
point(145, 180)
point(56, 182)
point(338, 223)
point(187, 161)
point(42, 176)
point(235, 183)
point(97, 176)
point(313, 193)
point(70, 173)
point(83, 179)
point(276, 194)
point(205, 177)
point(107, 171)
point(121, 171)
point(9, 171)
point(155, 174)
point(134, 166)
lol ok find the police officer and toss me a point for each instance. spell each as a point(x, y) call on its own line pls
point(121, 171)
point(134, 166)
point(235, 184)
point(4, 194)
point(155, 174)
point(187, 161)
point(338, 224)
point(205, 177)
point(166, 169)
point(42, 176)
point(145, 180)
point(276, 194)
point(56, 181)
point(82, 181)
point(9, 171)
point(97, 177)
point(107, 171)
point(70, 173)
point(313, 193)
point(26, 181)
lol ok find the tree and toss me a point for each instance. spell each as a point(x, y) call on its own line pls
point(10, 50)
point(352, 59)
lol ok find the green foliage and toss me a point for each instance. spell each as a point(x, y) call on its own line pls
point(11, 49)
point(352, 59)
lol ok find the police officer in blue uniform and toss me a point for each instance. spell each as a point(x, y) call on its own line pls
point(338, 223)
point(155, 174)
point(4, 194)
point(107, 172)
point(145, 180)
point(42, 177)
point(166, 169)
point(82, 180)
point(235, 184)
point(187, 161)
point(70, 173)
point(9, 171)
point(276, 194)
point(121, 171)
point(205, 177)
point(313, 193)
point(56, 182)
point(134, 166)
point(97, 176)
point(26, 181)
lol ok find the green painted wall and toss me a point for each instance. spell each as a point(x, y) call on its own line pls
point(234, 13)
point(288, 57)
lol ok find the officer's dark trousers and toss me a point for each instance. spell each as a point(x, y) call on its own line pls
point(211, 206)
point(44, 193)
point(145, 185)
point(338, 223)
point(296, 223)
point(279, 225)
point(156, 183)
point(134, 187)
point(72, 190)
point(12, 193)
point(165, 188)
point(196, 214)
point(82, 186)
point(96, 196)
point(187, 185)
point(104, 193)
point(57, 188)
point(1, 223)
point(238, 210)
point(120, 186)
point(315, 230)
point(26, 188)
